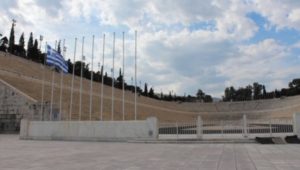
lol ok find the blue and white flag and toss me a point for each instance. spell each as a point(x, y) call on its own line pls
point(57, 60)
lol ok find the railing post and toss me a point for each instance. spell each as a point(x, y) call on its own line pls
point(199, 127)
point(176, 130)
point(245, 126)
point(270, 126)
point(222, 128)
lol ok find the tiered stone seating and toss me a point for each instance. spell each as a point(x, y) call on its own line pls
point(26, 76)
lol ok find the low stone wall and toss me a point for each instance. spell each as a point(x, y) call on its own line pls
point(90, 130)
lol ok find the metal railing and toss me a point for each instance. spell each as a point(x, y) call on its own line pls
point(243, 128)
point(272, 127)
point(228, 128)
point(178, 130)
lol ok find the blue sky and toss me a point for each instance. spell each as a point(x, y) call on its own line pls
point(182, 45)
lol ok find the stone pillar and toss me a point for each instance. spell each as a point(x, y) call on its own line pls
point(296, 124)
point(199, 127)
point(152, 122)
point(24, 128)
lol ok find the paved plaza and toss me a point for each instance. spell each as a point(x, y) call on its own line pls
point(45, 155)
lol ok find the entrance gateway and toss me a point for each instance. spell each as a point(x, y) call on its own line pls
point(10, 123)
point(230, 129)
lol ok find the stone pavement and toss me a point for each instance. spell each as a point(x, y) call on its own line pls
point(18, 154)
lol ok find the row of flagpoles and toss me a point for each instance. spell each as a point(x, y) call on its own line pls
point(69, 117)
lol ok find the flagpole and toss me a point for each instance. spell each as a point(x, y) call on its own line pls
point(112, 77)
point(123, 80)
point(99, 70)
point(43, 83)
point(91, 89)
point(55, 45)
point(81, 72)
point(135, 75)
point(61, 85)
point(52, 91)
point(73, 72)
point(102, 78)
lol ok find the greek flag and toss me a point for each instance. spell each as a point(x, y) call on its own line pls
point(57, 60)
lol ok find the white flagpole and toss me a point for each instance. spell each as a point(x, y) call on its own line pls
point(135, 74)
point(91, 88)
point(81, 72)
point(99, 69)
point(43, 84)
point(71, 97)
point(55, 45)
point(52, 91)
point(123, 80)
point(112, 77)
point(102, 78)
point(61, 84)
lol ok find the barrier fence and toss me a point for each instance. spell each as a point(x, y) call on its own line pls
point(243, 128)
point(178, 130)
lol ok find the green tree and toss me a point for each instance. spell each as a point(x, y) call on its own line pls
point(70, 66)
point(19, 49)
point(58, 47)
point(35, 55)
point(120, 79)
point(257, 90)
point(22, 41)
point(30, 41)
point(243, 93)
point(208, 99)
point(249, 92)
point(151, 93)
point(36, 44)
point(30, 46)
point(294, 87)
point(226, 96)
point(264, 91)
point(295, 83)
point(230, 94)
point(145, 90)
point(170, 98)
point(11, 42)
point(200, 95)
point(101, 73)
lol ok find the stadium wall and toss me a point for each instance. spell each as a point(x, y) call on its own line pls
point(90, 130)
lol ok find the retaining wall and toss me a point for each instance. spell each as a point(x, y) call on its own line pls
point(14, 105)
point(90, 130)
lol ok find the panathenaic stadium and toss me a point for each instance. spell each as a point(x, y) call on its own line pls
point(26, 77)
point(21, 98)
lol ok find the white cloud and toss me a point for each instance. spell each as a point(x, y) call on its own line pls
point(262, 62)
point(171, 55)
point(282, 14)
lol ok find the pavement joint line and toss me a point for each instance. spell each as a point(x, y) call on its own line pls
point(250, 157)
point(271, 163)
point(235, 161)
point(220, 157)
